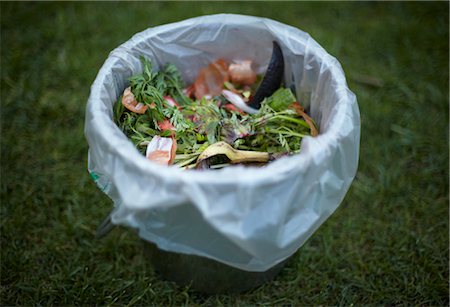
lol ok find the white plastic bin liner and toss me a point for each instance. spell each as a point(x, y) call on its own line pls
point(248, 218)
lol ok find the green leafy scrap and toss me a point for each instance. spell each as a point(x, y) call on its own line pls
point(281, 99)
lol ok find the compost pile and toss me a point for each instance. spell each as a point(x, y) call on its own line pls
point(229, 115)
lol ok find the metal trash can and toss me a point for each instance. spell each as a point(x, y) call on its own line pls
point(205, 275)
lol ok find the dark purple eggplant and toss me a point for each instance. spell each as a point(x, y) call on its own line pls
point(272, 79)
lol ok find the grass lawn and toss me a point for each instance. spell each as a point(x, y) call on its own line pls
point(388, 242)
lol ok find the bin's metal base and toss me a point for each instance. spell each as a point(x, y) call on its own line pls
point(205, 275)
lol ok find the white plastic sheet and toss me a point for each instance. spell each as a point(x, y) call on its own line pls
point(248, 218)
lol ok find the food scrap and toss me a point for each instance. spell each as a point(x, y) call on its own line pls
point(162, 150)
point(226, 117)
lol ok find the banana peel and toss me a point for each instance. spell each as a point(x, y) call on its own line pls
point(234, 156)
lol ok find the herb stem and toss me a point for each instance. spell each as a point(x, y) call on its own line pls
point(291, 119)
point(185, 162)
point(285, 132)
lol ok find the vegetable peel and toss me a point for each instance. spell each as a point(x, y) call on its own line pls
point(161, 150)
point(130, 102)
point(300, 111)
point(235, 156)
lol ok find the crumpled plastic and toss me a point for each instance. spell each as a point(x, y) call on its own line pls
point(246, 217)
